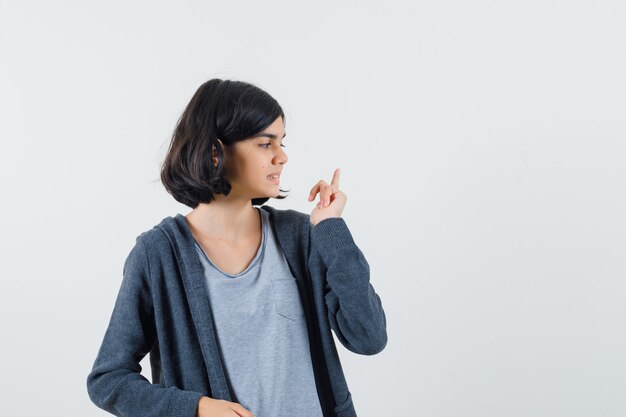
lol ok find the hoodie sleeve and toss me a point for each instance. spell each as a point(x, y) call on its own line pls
point(115, 383)
point(355, 311)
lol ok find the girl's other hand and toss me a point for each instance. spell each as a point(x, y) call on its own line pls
point(210, 407)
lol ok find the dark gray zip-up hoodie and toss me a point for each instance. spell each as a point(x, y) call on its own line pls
point(162, 308)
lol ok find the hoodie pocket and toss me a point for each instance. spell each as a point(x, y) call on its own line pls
point(287, 298)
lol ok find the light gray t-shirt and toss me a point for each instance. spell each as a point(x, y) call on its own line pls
point(262, 334)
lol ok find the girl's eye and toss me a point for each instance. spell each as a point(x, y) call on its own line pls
point(265, 145)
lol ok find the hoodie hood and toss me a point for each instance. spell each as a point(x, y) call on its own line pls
point(287, 225)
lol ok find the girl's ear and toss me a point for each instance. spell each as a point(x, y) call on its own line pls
point(214, 152)
point(214, 156)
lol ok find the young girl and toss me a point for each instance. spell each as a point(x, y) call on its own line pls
point(235, 301)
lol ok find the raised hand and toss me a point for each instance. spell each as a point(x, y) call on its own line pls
point(332, 200)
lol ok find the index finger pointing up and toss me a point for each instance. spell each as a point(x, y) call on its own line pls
point(335, 181)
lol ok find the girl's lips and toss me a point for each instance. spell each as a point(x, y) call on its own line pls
point(274, 180)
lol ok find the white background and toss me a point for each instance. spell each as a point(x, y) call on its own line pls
point(481, 145)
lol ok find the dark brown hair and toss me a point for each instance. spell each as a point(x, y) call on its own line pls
point(228, 110)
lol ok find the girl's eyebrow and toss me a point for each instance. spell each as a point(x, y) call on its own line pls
point(268, 135)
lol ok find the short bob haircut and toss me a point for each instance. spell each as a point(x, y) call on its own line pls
point(228, 110)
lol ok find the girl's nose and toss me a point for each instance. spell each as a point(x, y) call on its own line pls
point(282, 156)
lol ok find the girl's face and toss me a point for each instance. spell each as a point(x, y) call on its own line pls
point(251, 161)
